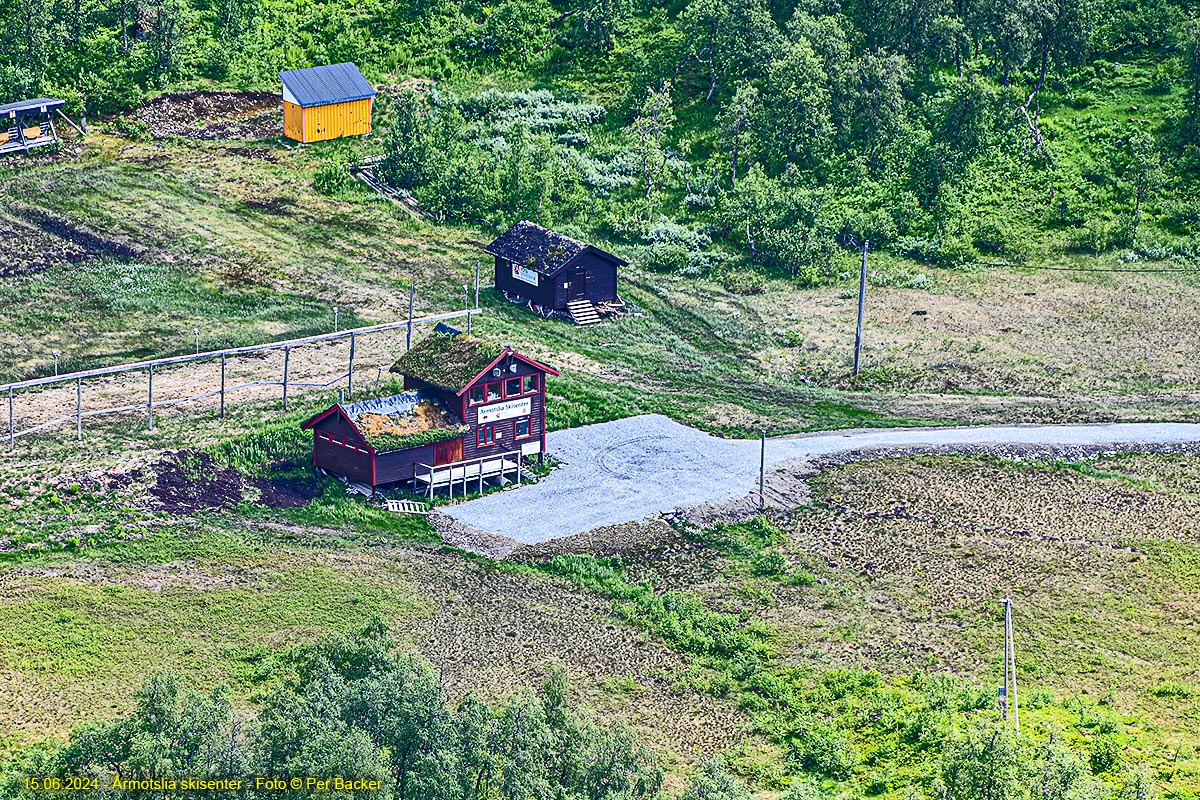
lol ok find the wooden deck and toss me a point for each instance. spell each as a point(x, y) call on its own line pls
point(467, 475)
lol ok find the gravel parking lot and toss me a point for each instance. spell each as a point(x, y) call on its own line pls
point(641, 467)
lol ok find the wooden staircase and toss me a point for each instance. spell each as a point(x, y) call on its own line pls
point(583, 312)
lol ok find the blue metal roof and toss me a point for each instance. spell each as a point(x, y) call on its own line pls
point(49, 103)
point(322, 86)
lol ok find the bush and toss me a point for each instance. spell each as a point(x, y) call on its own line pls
point(131, 128)
point(712, 781)
point(1104, 753)
point(1097, 236)
point(822, 747)
point(769, 563)
point(333, 179)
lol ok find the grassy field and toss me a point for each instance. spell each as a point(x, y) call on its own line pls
point(886, 587)
point(852, 617)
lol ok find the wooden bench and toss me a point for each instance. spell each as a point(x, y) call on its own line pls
point(406, 507)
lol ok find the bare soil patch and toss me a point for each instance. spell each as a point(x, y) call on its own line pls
point(214, 116)
point(40, 241)
point(287, 492)
point(496, 630)
point(189, 481)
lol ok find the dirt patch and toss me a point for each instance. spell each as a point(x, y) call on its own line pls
point(495, 630)
point(213, 116)
point(290, 492)
point(188, 481)
point(39, 241)
point(633, 540)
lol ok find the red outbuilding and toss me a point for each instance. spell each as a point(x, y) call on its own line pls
point(471, 411)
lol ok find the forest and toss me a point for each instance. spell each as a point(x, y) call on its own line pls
point(709, 135)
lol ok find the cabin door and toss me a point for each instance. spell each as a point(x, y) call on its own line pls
point(578, 289)
point(447, 452)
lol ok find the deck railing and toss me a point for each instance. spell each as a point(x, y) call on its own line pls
point(460, 472)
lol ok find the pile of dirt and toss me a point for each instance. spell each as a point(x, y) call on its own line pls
point(39, 241)
point(213, 116)
point(288, 492)
point(188, 481)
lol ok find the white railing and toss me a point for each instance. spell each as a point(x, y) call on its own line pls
point(474, 470)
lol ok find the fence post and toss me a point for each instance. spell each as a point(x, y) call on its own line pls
point(412, 291)
point(287, 358)
point(222, 386)
point(12, 431)
point(150, 401)
point(350, 372)
point(79, 409)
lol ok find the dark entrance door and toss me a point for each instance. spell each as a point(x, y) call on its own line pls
point(447, 452)
point(578, 286)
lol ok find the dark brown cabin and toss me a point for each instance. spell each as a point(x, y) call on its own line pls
point(552, 270)
point(465, 399)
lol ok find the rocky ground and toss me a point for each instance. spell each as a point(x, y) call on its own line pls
point(214, 116)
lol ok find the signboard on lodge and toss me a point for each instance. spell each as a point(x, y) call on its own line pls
point(509, 409)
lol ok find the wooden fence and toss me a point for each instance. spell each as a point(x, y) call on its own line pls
point(150, 403)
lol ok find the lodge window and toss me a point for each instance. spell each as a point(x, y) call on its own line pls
point(493, 391)
point(485, 435)
point(530, 384)
point(522, 429)
point(512, 387)
point(477, 395)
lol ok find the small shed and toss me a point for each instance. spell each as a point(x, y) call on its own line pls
point(554, 271)
point(471, 410)
point(28, 124)
point(329, 102)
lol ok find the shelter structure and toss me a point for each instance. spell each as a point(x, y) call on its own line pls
point(28, 124)
point(555, 272)
point(470, 411)
point(328, 102)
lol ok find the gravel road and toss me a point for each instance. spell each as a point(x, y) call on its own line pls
point(644, 466)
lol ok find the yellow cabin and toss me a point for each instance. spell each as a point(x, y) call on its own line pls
point(328, 102)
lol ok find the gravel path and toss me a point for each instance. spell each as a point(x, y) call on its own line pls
point(644, 466)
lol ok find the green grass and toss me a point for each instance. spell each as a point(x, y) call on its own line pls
point(208, 604)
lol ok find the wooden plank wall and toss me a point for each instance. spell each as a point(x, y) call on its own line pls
point(293, 121)
point(320, 123)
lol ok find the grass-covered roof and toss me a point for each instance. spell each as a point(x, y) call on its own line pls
point(448, 360)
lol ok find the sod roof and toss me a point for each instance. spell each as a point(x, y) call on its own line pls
point(447, 360)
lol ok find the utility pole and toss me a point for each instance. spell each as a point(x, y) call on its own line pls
point(1010, 666)
point(862, 298)
point(477, 283)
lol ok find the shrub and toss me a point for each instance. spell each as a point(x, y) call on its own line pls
point(769, 563)
point(333, 179)
point(713, 781)
point(821, 747)
point(1104, 753)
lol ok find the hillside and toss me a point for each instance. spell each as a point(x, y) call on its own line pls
point(1025, 175)
point(724, 138)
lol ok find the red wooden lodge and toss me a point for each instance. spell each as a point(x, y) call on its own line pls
point(471, 411)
